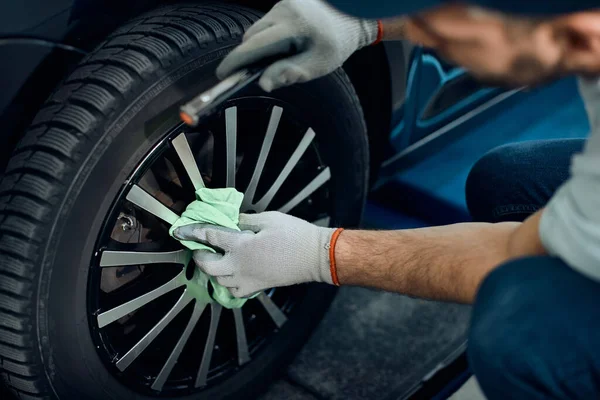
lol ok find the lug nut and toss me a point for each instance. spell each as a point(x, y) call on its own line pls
point(127, 222)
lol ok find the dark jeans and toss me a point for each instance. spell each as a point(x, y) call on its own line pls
point(535, 327)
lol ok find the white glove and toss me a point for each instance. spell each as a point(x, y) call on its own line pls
point(320, 37)
point(272, 250)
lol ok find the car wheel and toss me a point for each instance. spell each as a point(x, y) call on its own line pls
point(96, 300)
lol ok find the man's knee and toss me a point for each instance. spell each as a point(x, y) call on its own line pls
point(491, 188)
point(513, 181)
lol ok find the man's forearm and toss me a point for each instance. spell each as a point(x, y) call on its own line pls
point(441, 263)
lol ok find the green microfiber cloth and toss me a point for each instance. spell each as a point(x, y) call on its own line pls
point(219, 207)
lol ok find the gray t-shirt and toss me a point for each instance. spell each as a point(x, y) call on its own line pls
point(570, 224)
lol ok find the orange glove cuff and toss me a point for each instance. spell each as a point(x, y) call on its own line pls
point(332, 265)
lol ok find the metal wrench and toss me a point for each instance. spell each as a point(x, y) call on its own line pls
point(206, 102)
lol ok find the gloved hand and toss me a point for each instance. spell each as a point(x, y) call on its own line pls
point(273, 249)
point(320, 37)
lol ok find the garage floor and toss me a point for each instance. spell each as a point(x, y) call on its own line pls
point(375, 345)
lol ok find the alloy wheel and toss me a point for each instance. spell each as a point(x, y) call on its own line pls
point(152, 316)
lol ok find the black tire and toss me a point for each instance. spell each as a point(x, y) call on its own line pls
point(75, 157)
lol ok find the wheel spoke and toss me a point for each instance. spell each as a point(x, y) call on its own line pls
point(183, 150)
point(325, 221)
point(240, 334)
point(215, 313)
point(121, 258)
point(262, 157)
point(108, 317)
point(129, 357)
point(170, 363)
point(274, 312)
point(285, 172)
point(144, 200)
point(230, 138)
point(309, 189)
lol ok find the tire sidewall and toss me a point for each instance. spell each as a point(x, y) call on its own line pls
point(72, 364)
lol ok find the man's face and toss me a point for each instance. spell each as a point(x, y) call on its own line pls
point(510, 50)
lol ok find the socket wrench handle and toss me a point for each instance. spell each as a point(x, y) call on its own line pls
point(206, 102)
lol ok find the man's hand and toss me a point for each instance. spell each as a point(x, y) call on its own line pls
point(273, 249)
point(319, 37)
point(441, 263)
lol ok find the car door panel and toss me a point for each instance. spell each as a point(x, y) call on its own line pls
point(435, 94)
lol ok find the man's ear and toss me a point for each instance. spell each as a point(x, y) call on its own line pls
point(579, 35)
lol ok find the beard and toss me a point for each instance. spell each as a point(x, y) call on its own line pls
point(525, 70)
